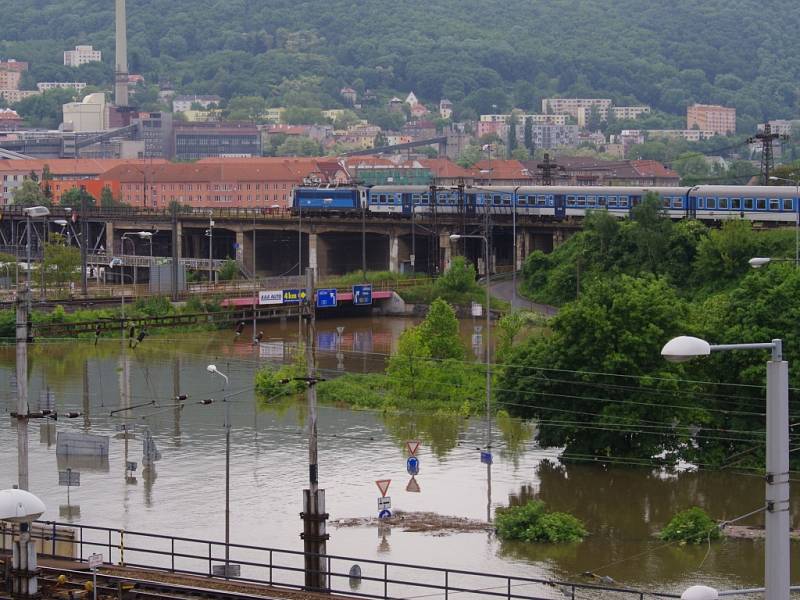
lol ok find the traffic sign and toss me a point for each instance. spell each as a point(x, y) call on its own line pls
point(412, 465)
point(69, 478)
point(130, 465)
point(412, 446)
point(95, 560)
point(486, 458)
point(384, 514)
point(383, 485)
point(384, 503)
point(294, 296)
point(326, 298)
point(270, 297)
point(362, 295)
point(413, 486)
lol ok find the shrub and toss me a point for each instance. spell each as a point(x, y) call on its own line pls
point(532, 523)
point(154, 306)
point(692, 526)
point(229, 270)
point(459, 278)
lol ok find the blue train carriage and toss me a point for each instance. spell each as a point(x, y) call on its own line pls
point(324, 200)
point(758, 203)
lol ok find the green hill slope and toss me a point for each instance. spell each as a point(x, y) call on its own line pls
point(477, 53)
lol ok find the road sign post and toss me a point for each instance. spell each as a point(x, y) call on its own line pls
point(95, 560)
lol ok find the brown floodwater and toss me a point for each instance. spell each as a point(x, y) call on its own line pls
point(622, 507)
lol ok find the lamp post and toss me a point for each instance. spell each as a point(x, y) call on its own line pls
point(210, 235)
point(776, 572)
point(454, 238)
point(514, 247)
point(122, 266)
point(796, 183)
point(32, 212)
point(213, 369)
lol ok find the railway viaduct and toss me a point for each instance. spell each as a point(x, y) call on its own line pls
point(329, 244)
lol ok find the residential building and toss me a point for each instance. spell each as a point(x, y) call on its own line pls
point(779, 126)
point(135, 79)
point(207, 140)
point(274, 115)
point(13, 65)
point(487, 127)
point(14, 172)
point(411, 99)
point(12, 96)
point(226, 182)
point(43, 86)
point(420, 130)
point(583, 170)
point(550, 136)
point(333, 114)
point(93, 187)
point(202, 116)
point(184, 103)
point(90, 114)
point(396, 105)
point(9, 120)
point(81, 55)
point(690, 135)
point(619, 112)
point(572, 106)
point(630, 112)
point(490, 123)
point(630, 137)
point(711, 117)
point(393, 139)
point(446, 172)
point(349, 95)
point(445, 108)
point(418, 110)
point(9, 79)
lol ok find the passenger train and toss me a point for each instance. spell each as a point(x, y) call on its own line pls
point(705, 202)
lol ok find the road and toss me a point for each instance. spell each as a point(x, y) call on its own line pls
point(504, 289)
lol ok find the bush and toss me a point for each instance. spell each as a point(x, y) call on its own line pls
point(692, 526)
point(154, 306)
point(458, 279)
point(229, 270)
point(532, 523)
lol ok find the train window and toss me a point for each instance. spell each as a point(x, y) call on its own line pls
point(506, 200)
point(736, 203)
point(382, 198)
point(612, 200)
point(541, 200)
point(581, 201)
point(522, 200)
point(748, 204)
point(570, 200)
point(723, 203)
point(761, 203)
point(623, 201)
point(678, 202)
point(774, 204)
point(591, 201)
point(700, 203)
point(601, 201)
point(787, 204)
point(665, 202)
point(711, 203)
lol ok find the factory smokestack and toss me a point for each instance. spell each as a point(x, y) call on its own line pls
point(121, 57)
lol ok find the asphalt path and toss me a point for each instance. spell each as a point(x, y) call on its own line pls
point(504, 289)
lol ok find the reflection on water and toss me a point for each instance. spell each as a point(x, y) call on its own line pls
point(183, 493)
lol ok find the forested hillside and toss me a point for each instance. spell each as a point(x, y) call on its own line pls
point(475, 52)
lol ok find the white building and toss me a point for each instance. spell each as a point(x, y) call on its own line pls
point(779, 126)
point(690, 135)
point(572, 106)
point(91, 114)
point(80, 56)
point(184, 103)
point(43, 86)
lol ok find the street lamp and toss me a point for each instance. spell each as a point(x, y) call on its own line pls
point(210, 235)
point(759, 261)
point(32, 212)
point(214, 371)
point(776, 572)
point(454, 238)
point(796, 183)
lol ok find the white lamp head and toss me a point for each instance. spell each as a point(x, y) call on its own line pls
point(19, 506)
point(211, 368)
point(759, 261)
point(455, 237)
point(34, 212)
point(683, 348)
point(60, 222)
point(700, 592)
point(144, 234)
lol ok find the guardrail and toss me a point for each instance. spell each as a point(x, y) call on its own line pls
point(285, 568)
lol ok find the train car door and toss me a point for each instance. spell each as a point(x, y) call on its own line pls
point(560, 206)
point(470, 202)
point(407, 201)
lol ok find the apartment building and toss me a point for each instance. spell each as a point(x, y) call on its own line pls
point(690, 135)
point(81, 55)
point(184, 103)
point(12, 96)
point(210, 140)
point(711, 117)
point(572, 106)
point(43, 86)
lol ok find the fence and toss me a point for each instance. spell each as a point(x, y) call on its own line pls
point(284, 568)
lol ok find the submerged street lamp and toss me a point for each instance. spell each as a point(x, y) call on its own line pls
point(776, 560)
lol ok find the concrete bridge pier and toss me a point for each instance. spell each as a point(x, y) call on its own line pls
point(446, 251)
point(394, 252)
point(110, 237)
point(522, 242)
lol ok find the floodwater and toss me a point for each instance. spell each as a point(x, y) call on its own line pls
point(184, 493)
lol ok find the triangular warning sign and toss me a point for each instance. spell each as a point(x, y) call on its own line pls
point(383, 485)
point(412, 446)
point(412, 486)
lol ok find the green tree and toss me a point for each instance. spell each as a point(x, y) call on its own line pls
point(62, 262)
point(72, 198)
point(30, 194)
point(527, 135)
point(295, 145)
point(458, 278)
point(246, 108)
point(440, 330)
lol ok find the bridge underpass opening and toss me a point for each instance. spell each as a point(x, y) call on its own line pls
point(276, 252)
point(196, 243)
point(423, 247)
point(502, 242)
point(339, 253)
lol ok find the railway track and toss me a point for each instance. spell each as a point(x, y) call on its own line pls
point(57, 583)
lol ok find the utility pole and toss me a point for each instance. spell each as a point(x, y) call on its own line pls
point(548, 168)
point(766, 139)
point(175, 242)
point(313, 515)
point(22, 387)
point(84, 242)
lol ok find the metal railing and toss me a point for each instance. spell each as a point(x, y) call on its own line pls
point(285, 568)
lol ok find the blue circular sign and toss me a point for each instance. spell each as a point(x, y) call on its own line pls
point(385, 514)
point(412, 465)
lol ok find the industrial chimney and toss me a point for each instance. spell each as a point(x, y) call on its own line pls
point(121, 57)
